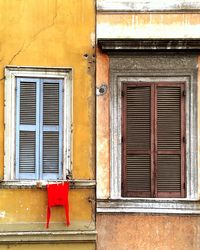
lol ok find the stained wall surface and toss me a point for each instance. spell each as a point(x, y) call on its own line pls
point(149, 232)
point(125, 231)
point(70, 246)
point(126, 26)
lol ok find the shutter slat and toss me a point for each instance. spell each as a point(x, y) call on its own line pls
point(137, 140)
point(51, 131)
point(39, 128)
point(138, 118)
point(50, 152)
point(50, 103)
point(169, 118)
point(169, 138)
point(27, 103)
point(138, 172)
point(26, 132)
point(27, 152)
point(169, 173)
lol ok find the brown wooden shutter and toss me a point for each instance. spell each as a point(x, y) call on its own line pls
point(136, 124)
point(170, 145)
point(153, 140)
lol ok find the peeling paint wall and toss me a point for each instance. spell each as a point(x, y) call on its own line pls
point(151, 25)
point(55, 33)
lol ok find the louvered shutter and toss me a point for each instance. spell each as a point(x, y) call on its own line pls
point(170, 145)
point(51, 129)
point(136, 139)
point(27, 128)
point(153, 140)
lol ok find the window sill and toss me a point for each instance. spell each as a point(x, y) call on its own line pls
point(50, 236)
point(153, 206)
point(26, 184)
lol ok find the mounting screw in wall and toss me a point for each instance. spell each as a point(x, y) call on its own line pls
point(101, 90)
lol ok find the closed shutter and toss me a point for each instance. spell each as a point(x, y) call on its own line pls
point(136, 140)
point(39, 128)
point(51, 129)
point(170, 140)
point(153, 140)
point(27, 129)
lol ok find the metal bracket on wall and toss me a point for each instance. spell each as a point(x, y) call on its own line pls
point(101, 90)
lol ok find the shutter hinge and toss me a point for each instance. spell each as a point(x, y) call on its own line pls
point(123, 94)
point(184, 139)
point(184, 185)
point(122, 139)
point(184, 93)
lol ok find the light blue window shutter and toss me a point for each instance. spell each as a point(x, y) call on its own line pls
point(51, 129)
point(27, 128)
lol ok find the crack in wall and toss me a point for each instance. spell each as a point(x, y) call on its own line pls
point(92, 201)
point(34, 37)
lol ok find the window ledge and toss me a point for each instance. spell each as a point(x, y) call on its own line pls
point(42, 184)
point(154, 206)
point(149, 44)
point(50, 236)
point(148, 6)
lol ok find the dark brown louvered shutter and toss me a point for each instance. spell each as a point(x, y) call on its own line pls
point(136, 137)
point(170, 134)
point(153, 140)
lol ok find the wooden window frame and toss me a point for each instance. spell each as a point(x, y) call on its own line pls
point(153, 151)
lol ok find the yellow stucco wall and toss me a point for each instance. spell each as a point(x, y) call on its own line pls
point(52, 33)
point(21, 207)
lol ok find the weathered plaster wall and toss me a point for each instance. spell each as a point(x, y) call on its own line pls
point(78, 246)
point(148, 232)
point(102, 127)
point(127, 25)
point(138, 231)
point(21, 207)
point(150, 25)
point(57, 33)
point(147, 5)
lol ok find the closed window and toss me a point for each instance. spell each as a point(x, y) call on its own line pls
point(153, 139)
point(38, 128)
point(37, 123)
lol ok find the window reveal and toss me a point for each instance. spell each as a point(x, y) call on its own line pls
point(153, 139)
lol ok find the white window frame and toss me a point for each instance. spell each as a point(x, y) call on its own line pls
point(11, 72)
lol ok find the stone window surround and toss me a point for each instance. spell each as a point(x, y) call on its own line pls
point(116, 203)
